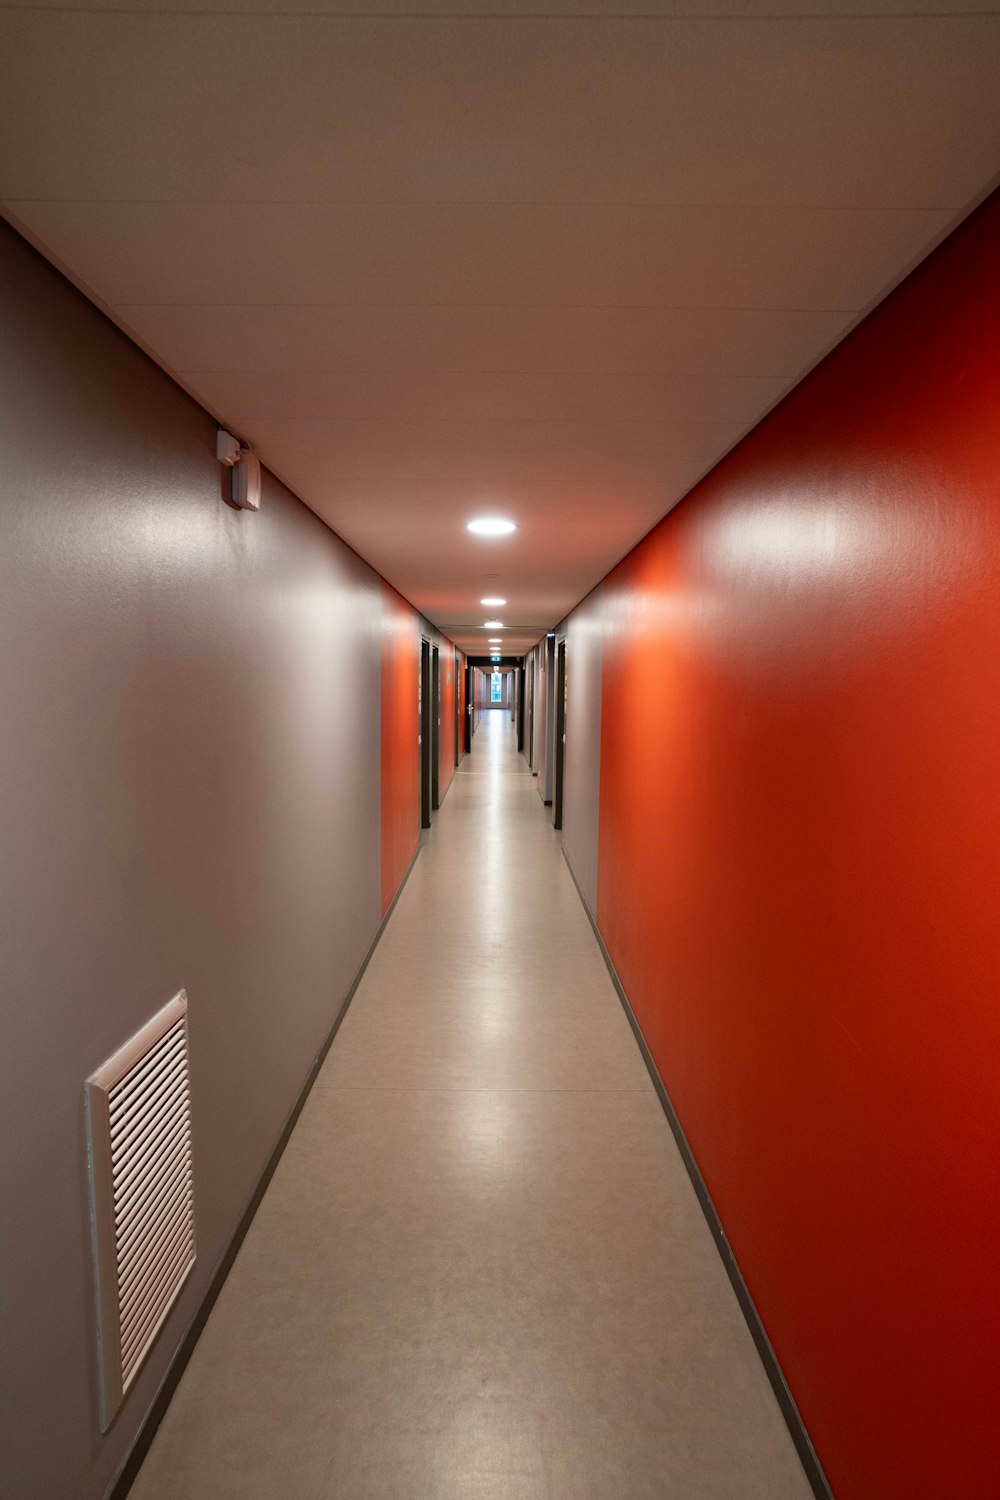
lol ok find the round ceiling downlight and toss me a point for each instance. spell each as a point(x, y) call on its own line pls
point(491, 526)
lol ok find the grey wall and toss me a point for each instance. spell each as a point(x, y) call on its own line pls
point(582, 775)
point(189, 775)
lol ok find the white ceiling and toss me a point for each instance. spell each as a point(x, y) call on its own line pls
point(511, 258)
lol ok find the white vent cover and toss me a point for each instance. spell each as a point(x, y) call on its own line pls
point(142, 1202)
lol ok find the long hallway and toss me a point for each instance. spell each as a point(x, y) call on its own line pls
point(480, 1269)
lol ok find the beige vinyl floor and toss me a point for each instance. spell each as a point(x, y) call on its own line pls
point(480, 1271)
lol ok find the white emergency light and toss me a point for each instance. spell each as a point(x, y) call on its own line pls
point(246, 470)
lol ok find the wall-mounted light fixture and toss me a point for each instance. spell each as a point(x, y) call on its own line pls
point(245, 466)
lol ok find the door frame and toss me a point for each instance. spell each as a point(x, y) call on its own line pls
point(435, 728)
point(558, 789)
point(425, 733)
point(530, 714)
point(458, 708)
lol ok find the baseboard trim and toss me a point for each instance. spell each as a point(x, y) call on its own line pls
point(158, 1407)
point(786, 1401)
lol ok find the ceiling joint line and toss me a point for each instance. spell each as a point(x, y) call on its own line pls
point(649, 17)
point(561, 204)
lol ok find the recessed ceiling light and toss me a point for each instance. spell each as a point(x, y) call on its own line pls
point(491, 526)
point(492, 624)
point(493, 602)
point(495, 640)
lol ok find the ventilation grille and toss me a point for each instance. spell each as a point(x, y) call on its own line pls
point(139, 1126)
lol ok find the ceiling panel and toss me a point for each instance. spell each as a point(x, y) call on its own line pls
point(393, 448)
point(483, 252)
point(743, 10)
point(500, 110)
point(601, 339)
point(502, 396)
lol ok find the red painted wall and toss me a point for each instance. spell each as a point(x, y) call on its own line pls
point(799, 872)
point(400, 749)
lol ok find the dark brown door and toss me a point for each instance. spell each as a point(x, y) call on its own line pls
point(560, 733)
